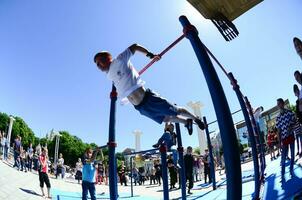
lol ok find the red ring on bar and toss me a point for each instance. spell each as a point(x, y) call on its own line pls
point(112, 144)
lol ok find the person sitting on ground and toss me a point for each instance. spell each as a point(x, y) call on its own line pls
point(168, 138)
point(129, 84)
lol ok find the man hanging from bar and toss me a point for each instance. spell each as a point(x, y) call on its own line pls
point(129, 84)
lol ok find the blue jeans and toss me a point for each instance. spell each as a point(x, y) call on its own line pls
point(88, 186)
point(167, 139)
point(299, 142)
point(284, 154)
point(5, 154)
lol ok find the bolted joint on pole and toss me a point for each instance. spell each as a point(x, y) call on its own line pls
point(112, 144)
point(234, 82)
point(188, 27)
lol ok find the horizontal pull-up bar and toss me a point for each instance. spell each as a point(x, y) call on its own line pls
point(161, 54)
point(231, 114)
point(140, 152)
point(102, 147)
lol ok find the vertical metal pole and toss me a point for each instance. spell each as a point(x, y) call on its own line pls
point(213, 176)
point(131, 168)
point(182, 173)
point(256, 135)
point(222, 110)
point(251, 134)
point(111, 145)
point(163, 154)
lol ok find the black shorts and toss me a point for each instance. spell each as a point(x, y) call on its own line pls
point(156, 107)
point(43, 177)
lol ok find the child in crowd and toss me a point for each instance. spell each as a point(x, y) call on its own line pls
point(168, 138)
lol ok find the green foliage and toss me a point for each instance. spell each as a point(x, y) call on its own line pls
point(245, 146)
point(70, 146)
point(21, 128)
point(196, 151)
point(241, 148)
point(292, 108)
point(4, 121)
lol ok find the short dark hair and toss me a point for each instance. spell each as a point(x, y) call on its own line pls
point(297, 72)
point(103, 55)
point(280, 100)
point(296, 40)
point(295, 88)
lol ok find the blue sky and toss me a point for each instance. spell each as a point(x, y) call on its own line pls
point(49, 79)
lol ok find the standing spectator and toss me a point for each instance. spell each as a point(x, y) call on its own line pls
point(6, 147)
point(172, 173)
point(100, 173)
point(1, 143)
point(23, 160)
point(298, 46)
point(153, 176)
point(188, 159)
point(60, 166)
point(195, 168)
point(222, 163)
point(122, 173)
point(277, 141)
point(17, 146)
point(285, 122)
point(298, 77)
point(30, 155)
point(106, 169)
point(134, 174)
point(158, 171)
point(79, 167)
point(207, 169)
point(298, 131)
point(270, 144)
point(43, 173)
point(88, 178)
point(36, 160)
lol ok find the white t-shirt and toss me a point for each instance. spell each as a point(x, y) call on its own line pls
point(123, 74)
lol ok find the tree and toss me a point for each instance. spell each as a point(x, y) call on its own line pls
point(4, 121)
point(22, 129)
point(197, 150)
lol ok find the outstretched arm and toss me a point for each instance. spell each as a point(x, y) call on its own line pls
point(136, 47)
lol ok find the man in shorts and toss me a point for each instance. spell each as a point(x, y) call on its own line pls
point(129, 84)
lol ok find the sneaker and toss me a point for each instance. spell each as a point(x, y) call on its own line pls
point(200, 123)
point(189, 126)
point(189, 192)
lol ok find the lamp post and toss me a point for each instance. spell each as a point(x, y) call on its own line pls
point(9, 133)
point(196, 107)
point(137, 135)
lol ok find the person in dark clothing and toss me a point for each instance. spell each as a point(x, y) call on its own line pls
point(206, 164)
point(172, 173)
point(298, 128)
point(189, 161)
point(122, 174)
point(158, 172)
